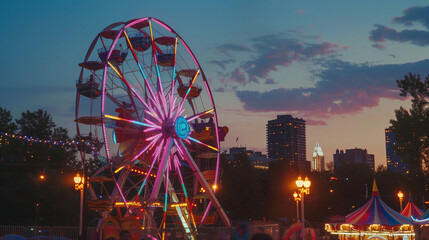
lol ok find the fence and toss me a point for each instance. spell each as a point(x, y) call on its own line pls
point(72, 233)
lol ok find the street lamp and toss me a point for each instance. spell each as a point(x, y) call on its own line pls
point(400, 196)
point(78, 185)
point(297, 198)
point(303, 188)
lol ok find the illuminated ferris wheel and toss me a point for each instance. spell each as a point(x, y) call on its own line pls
point(145, 110)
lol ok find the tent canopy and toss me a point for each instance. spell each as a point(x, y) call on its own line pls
point(375, 211)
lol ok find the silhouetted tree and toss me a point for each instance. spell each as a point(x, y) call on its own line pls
point(30, 199)
point(411, 127)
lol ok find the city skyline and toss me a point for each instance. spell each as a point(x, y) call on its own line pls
point(332, 64)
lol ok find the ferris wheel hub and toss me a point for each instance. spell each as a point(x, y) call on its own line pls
point(181, 127)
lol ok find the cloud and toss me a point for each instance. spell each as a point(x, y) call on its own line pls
point(410, 17)
point(270, 81)
point(222, 64)
point(343, 88)
point(230, 47)
point(414, 14)
point(383, 33)
point(379, 46)
point(271, 53)
point(219, 89)
point(315, 122)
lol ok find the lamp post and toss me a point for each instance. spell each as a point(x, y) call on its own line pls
point(303, 188)
point(400, 196)
point(78, 185)
point(297, 198)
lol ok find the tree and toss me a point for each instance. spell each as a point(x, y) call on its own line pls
point(411, 127)
point(6, 124)
point(37, 124)
point(27, 160)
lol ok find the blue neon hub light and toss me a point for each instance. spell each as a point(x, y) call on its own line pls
point(182, 127)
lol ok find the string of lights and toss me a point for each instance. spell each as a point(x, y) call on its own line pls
point(37, 140)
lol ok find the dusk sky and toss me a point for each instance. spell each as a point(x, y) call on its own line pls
point(333, 63)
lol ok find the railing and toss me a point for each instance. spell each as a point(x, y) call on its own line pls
point(72, 233)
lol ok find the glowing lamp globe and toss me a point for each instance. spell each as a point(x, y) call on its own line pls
point(400, 194)
point(307, 183)
point(77, 179)
point(299, 182)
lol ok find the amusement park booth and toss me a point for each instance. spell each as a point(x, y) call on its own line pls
point(374, 220)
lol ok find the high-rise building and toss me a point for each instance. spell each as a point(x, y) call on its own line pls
point(286, 139)
point(355, 155)
point(394, 161)
point(318, 163)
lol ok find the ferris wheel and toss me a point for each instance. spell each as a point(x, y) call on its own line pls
point(144, 109)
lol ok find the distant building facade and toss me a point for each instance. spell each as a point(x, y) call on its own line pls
point(257, 159)
point(356, 155)
point(318, 163)
point(393, 161)
point(286, 139)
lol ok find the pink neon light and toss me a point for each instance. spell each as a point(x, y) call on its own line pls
point(136, 21)
point(163, 24)
point(138, 62)
point(153, 137)
point(146, 148)
point(198, 141)
point(199, 115)
point(206, 212)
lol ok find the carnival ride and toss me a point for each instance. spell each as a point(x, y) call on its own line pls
point(411, 210)
point(374, 220)
point(145, 110)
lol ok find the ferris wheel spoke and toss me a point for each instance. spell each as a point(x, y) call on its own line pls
point(206, 213)
point(188, 158)
point(187, 92)
point(159, 83)
point(151, 144)
point(174, 70)
point(128, 84)
point(139, 65)
point(161, 169)
point(149, 172)
point(199, 142)
point(130, 121)
point(191, 118)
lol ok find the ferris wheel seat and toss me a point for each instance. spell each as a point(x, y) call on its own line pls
point(110, 34)
point(166, 41)
point(140, 43)
point(166, 59)
point(222, 133)
point(100, 178)
point(89, 89)
point(203, 136)
point(90, 120)
point(92, 65)
point(116, 57)
point(193, 93)
point(207, 155)
point(101, 205)
point(187, 72)
point(139, 25)
point(209, 175)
